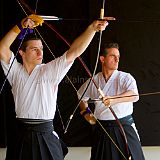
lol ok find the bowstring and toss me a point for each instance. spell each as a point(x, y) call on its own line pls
point(4, 82)
point(35, 29)
point(57, 106)
point(101, 92)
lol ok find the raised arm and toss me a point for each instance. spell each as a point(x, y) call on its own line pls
point(5, 43)
point(81, 43)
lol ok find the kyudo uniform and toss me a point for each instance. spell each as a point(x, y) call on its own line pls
point(35, 98)
point(102, 147)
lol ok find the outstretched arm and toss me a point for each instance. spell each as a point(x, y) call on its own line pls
point(128, 96)
point(81, 43)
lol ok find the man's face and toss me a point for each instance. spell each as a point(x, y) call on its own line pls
point(34, 52)
point(111, 60)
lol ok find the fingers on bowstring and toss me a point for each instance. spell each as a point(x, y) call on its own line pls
point(106, 101)
point(36, 19)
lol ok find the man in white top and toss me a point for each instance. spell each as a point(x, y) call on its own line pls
point(34, 88)
point(113, 83)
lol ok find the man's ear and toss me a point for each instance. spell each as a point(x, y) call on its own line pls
point(101, 59)
point(21, 52)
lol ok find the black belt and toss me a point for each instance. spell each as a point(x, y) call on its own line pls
point(39, 125)
point(34, 121)
point(128, 120)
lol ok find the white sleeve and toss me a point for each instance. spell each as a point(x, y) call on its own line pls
point(130, 84)
point(11, 68)
point(82, 89)
point(58, 67)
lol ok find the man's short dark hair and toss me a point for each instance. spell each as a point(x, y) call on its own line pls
point(28, 37)
point(107, 46)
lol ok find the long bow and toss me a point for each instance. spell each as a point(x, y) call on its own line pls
point(103, 95)
point(20, 2)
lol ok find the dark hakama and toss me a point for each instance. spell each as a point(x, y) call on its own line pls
point(104, 149)
point(35, 142)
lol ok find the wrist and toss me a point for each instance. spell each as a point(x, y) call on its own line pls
point(21, 30)
point(85, 111)
point(16, 29)
point(92, 28)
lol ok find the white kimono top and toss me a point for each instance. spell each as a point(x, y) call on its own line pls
point(118, 83)
point(35, 95)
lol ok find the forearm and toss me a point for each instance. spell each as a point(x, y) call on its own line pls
point(81, 43)
point(28, 22)
point(128, 96)
point(87, 113)
point(5, 44)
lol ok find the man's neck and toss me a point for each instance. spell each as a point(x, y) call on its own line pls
point(107, 74)
point(29, 68)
